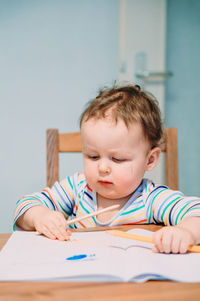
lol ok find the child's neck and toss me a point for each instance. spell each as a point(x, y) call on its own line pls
point(104, 203)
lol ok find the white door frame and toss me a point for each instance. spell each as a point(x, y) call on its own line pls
point(142, 44)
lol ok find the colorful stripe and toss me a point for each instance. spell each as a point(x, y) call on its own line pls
point(150, 203)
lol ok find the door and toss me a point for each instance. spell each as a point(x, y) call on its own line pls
point(142, 51)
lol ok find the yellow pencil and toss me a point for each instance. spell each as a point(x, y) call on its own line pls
point(192, 248)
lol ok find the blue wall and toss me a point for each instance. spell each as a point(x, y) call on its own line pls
point(54, 56)
point(183, 89)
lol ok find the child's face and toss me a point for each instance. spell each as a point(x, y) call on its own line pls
point(115, 157)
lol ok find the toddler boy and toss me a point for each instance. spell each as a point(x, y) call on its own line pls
point(121, 132)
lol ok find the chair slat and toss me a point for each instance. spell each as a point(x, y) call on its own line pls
point(71, 142)
point(171, 158)
point(52, 156)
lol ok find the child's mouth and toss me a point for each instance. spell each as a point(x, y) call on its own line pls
point(105, 183)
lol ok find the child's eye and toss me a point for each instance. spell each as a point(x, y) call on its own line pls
point(93, 157)
point(118, 160)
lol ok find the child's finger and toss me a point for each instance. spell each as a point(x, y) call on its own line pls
point(56, 226)
point(155, 249)
point(62, 227)
point(175, 246)
point(47, 233)
point(59, 232)
point(157, 239)
point(61, 222)
point(63, 233)
point(183, 247)
point(167, 242)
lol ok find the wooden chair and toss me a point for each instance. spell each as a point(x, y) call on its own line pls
point(71, 142)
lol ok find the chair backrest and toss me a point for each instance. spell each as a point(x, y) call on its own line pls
point(71, 142)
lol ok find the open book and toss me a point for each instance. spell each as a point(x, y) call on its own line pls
point(92, 256)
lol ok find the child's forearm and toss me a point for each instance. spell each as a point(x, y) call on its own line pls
point(192, 224)
point(26, 221)
point(48, 222)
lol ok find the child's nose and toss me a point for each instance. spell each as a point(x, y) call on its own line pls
point(104, 167)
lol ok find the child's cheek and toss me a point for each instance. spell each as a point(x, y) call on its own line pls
point(126, 178)
point(124, 175)
point(90, 172)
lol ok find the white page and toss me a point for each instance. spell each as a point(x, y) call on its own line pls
point(149, 265)
point(36, 257)
point(27, 256)
point(108, 258)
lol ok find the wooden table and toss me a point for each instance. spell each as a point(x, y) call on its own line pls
point(85, 291)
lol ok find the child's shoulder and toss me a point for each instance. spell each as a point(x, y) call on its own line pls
point(78, 179)
point(149, 186)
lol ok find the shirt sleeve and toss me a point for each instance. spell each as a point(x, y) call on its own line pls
point(61, 197)
point(169, 207)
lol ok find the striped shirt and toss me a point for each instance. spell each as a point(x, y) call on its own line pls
point(150, 203)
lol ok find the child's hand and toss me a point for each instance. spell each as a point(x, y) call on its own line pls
point(172, 239)
point(50, 223)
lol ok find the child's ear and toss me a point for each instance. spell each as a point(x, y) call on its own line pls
point(153, 158)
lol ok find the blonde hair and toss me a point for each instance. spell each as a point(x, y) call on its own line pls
point(130, 104)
